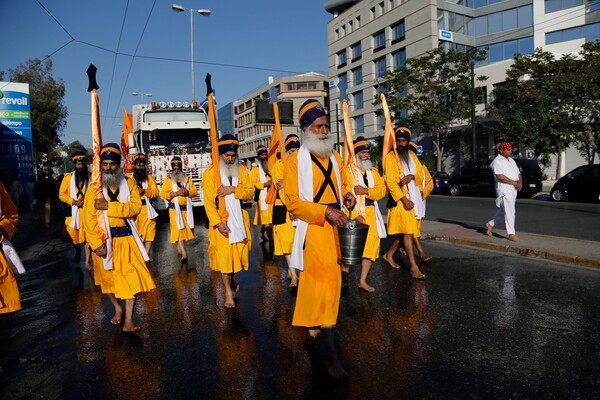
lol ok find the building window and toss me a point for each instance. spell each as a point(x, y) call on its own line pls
point(372, 13)
point(399, 59)
point(381, 9)
point(358, 76)
point(589, 32)
point(398, 32)
point(500, 21)
point(507, 50)
point(357, 22)
point(359, 124)
point(336, 34)
point(343, 85)
point(358, 100)
point(379, 40)
point(593, 5)
point(380, 67)
point(551, 6)
point(342, 58)
point(481, 95)
point(356, 51)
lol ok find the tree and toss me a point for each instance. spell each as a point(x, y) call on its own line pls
point(48, 113)
point(435, 89)
point(531, 104)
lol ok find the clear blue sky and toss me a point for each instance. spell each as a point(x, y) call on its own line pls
point(240, 44)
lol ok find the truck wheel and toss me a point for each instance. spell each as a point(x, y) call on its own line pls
point(454, 190)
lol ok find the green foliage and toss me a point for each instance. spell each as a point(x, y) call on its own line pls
point(464, 149)
point(437, 88)
point(430, 161)
point(48, 113)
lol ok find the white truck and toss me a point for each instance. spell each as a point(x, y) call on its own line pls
point(167, 129)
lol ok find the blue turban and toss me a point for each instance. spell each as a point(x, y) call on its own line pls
point(176, 160)
point(361, 144)
point(292, 141)
point(112, 152)
point(261, 150)
point(403, 132)
point(139, 158)
point(228, 143)
point(78, 156)
point(309, 112)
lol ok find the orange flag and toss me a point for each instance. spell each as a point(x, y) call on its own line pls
point(350, 157)
point(276, 145)
point(96, 180)
point(214, 142)
point(389, 141)
point(127, 129)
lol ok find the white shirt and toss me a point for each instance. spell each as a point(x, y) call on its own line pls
point(507, 167)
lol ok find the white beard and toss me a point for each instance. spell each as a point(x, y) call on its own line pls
point(178, 177)
point(112, 179)
point(229, 170)
point(318, 144)
point(365, 164)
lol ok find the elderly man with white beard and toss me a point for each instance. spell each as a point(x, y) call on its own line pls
point(261, 179)
point(228, 242)
point(120, 260)
point(178, 189)
point(313, 182)
point(372, 186)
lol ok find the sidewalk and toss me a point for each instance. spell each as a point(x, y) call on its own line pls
point(565, 250)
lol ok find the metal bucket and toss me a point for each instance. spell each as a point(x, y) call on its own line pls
point(352, 238)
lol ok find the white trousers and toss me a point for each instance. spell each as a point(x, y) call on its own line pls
point(506, 210)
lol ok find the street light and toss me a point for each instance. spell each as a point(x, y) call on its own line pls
point(142, 95)
point(204, 12)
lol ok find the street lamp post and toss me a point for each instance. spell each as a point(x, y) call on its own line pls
point(473, 131)
point(142, 95)
point(204, 12)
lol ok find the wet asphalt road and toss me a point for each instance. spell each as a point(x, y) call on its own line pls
point(482, 325)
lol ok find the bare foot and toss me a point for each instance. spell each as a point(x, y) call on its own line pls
point(229, 302)
point(402, 251)
point(366, 287)
point(489, 229)
point(514, 238)
point(424, 257)
point(116, 319)
point(314, 333)
point(391, 261)
point(131, 328)
point(417, 274)
point(294, 282)
point(335, 369)
point(89, 267)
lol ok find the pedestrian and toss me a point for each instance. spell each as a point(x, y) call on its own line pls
point(405, 205)
point(72, 192)
point(283, 221)
point(508, 183)
point(178, 190)
point(10, 299)
point(313, 188)
point(372, 187)
point(15, 189)
point(120, 259)
point(44, 191)
point(229, 241)
point(261, 180)
point(146, 219)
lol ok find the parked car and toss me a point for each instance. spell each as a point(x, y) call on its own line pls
point(581, 184)
point(477, 178)
point(440, 182)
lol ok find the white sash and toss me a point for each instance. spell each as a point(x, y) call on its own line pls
point(124, 197)
point(263, 193)
point(378, 217)
point(73, 193)
point(413, 190)
point(235, 219)
point(13, 259)
point(188, 206)
point(305, 188)
point(151, 211)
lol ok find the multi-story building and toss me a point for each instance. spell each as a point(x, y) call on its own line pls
point(297, 89)
point(366, 38)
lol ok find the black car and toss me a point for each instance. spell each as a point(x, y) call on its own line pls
point(440, 182)
point(477, 178)
point(581, 184)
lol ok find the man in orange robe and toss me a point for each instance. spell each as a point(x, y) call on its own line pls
point(228, 242)
point(10, 299)
point(313, 181)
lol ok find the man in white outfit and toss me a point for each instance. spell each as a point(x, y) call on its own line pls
point(508, 183)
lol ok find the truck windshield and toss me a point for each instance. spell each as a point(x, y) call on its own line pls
point(193, 140)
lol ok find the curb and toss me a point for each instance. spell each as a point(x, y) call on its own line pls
point(521, 251)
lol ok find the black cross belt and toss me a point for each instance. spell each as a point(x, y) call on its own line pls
point(120, 231)
point(369, 202)
point(327, 182)
point(112, 195)
point(182, 208)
